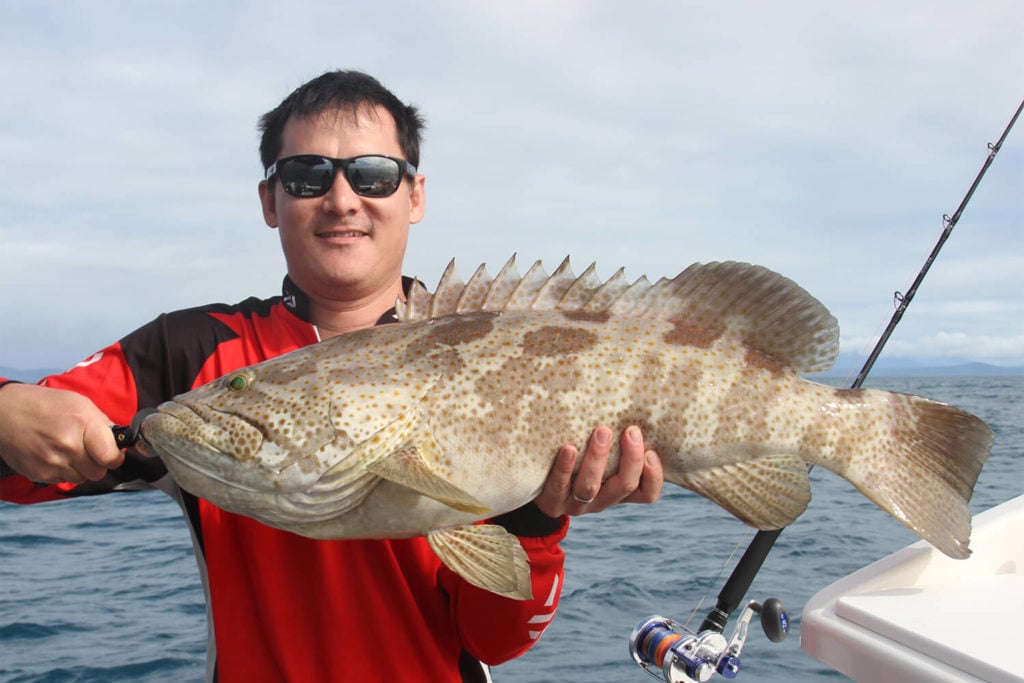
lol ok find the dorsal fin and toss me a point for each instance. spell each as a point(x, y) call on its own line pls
point(765, 310)
point(446, 299)
point(768, 311)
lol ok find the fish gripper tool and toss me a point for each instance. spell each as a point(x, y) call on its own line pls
point(670, 653)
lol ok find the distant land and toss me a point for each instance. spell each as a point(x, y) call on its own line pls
point(848, 365)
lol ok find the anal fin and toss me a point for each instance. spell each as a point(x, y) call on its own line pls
point(487, 556)
point(408, 467)
point(769, 492)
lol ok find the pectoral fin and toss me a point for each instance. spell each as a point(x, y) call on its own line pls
point(766, 493)
point(487, 556)
point(408, 467)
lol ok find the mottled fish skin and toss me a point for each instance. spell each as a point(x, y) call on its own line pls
point(455, 414)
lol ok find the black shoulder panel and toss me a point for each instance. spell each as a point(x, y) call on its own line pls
point(166, 355)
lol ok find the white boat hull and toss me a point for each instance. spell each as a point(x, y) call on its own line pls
point(918, 615)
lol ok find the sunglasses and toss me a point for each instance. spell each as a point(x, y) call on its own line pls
point(311, 175)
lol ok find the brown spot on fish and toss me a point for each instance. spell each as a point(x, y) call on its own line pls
point(460, 330)
point(818, 435)
point(850, 395)
point(587, 316)
point(757, 360)
point(555, 341)
point(692, 335)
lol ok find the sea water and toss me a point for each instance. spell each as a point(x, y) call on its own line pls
point(106, 589)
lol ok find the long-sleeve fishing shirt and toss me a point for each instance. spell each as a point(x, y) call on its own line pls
point(283, 607)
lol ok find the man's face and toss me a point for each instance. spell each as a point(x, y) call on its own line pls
point(343, 247)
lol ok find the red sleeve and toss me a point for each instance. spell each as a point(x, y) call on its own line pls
point(15, 488)
point(106, 379)
point(495, 629)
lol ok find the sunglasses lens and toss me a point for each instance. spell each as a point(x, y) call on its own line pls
point(306, 176)
point(374, 176)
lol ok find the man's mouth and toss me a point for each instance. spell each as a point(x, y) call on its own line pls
point(342, 233)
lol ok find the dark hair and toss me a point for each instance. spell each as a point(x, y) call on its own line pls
point(340, 90)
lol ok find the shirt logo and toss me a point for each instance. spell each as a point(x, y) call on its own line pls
point(94, 358)
point(542, 620)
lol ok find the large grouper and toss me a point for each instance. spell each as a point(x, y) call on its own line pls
point(455, 414)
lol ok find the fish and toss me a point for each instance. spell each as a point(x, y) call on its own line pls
point(454, 415)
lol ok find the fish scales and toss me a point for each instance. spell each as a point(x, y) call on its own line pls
point(454, 415)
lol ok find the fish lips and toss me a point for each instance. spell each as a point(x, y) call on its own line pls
point(198, 442)
point(231, 449)
point(284, 497)
point(228, 434)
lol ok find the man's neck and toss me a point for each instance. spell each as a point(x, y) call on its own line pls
point(333, 324)
point(333, 317)
point(343, 312)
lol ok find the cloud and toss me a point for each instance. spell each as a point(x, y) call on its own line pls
point(825, 143)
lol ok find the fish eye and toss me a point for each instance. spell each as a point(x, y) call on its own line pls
point(237, 382)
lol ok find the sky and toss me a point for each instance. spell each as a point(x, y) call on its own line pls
point(823, 140)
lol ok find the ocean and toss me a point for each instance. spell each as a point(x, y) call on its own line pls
point(106, 589)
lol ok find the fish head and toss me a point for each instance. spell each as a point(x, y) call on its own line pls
point(261, 428)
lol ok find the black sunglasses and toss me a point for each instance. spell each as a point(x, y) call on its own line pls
point(311, 175)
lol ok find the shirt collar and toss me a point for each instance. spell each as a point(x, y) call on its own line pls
point(297, 301)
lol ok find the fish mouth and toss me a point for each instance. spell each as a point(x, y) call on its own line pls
point(191, 438)
point(187, 471)
point(200, 466)
point(202, 418)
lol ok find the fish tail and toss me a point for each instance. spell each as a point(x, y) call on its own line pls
point(923, 473)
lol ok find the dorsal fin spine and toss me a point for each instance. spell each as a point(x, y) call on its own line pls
point(554, 287)
point(474, 291)
point(579, 292)
point(448, 293)
point(752, 304)
point(524, 294)
point(501, 287)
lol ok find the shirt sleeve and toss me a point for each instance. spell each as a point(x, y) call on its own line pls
point(158, 360)
point(106, 379)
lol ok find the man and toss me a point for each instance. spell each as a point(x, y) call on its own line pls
point(341, 190)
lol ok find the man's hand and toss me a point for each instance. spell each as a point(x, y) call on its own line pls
point(53, 436)
point(638, 480)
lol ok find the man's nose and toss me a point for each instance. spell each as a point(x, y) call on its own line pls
point(341, 198)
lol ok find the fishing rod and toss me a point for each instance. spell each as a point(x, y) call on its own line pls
point(668, 651)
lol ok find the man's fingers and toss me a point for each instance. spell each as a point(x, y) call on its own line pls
point(638, 480)
point(101, 452)
point(587, 484)
point(631, 464)
point(555, 491)
point(561, 473)
point(651, 481)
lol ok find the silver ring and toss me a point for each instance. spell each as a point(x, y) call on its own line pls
point(582, 501)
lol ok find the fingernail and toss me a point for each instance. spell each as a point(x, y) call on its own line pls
point(603, 436)
point(633, 433)
point(651, 459)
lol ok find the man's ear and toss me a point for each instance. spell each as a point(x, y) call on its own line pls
point(417, 198)
point(269, 203)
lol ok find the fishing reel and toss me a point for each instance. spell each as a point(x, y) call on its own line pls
point(661, 644)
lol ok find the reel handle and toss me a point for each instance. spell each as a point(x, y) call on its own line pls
point(666, 651)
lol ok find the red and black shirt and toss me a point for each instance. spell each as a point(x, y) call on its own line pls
point(284, 607)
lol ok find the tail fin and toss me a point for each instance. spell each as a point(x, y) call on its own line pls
point(928, 477)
